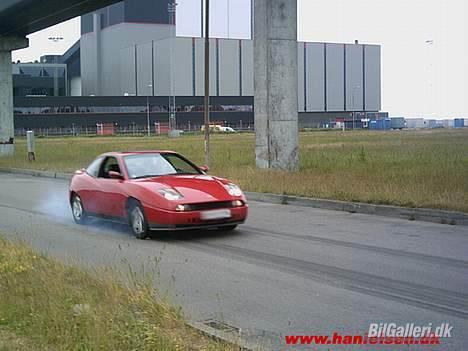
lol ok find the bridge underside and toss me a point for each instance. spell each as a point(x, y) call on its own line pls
point(19, 18)
point(22, 17)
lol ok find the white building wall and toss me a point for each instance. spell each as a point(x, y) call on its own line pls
point(144, 69)
point(335, 77)
point(89, 60)
point(101, 55)
point(200, 67)
point(247, 68)
point(372, 83)
point(162, 73)
point(315, 81)
point(182, 67)
point(75, 86)
point(109, 66)
point(354, 78)
point(127, 71)
point(229, 67)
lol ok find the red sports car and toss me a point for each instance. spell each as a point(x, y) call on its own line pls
point(155, 190)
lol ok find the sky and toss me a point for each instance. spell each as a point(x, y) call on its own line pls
point(418, 79)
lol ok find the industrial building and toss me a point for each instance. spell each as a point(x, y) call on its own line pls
point(39, 79)
point(130, 49)
point(124, 51)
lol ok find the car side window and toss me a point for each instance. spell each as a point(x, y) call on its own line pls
point(93, 168)
point(109, 164)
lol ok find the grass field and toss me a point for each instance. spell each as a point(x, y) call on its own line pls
point(46, 305)
point(427, 168)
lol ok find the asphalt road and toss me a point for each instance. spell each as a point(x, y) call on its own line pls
point(288, 270)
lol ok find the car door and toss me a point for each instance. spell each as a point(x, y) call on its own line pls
point(111, 197)
point(89, 188)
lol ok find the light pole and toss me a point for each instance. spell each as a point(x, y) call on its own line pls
point(171, 9)
point(56, 88)
point(206, 112)
point(201, 18)
point(228, 19)
point(430, 44)
point(148, 110)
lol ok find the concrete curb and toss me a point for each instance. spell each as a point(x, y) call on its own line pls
point(224, 336)
point(418, 214)
point(37, 173)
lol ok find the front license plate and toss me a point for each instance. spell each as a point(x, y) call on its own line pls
point(216, 214)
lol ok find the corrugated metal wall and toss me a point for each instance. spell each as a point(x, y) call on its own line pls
point(229, 67)
point(335, 73)
point(372, 82)
point(200, 67)
point(144, 69)
point(127, 71)
point(247, 68)
point(182, 69)
point(162, 72)
point(315, 76)
point(331, 77)
point(354, 78)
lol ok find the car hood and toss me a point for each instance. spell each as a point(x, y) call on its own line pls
point(194, 188)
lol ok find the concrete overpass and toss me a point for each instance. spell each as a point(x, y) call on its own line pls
point(275, 67)
point(19, 18)
point(22, 17)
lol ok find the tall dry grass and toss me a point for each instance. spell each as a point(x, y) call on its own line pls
point(409, 168)
point(46, 305)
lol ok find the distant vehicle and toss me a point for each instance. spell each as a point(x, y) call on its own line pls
point(155, 190)
point(227, 130)
point(219, 128)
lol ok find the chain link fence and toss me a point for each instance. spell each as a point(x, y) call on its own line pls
point(129, 130)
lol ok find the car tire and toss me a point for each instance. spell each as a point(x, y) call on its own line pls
point(137, 220)
point(228, 228)
point(78, 211)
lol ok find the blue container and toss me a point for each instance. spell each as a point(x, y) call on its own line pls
point(386, 124)
point(459, 122)
point(380, 124)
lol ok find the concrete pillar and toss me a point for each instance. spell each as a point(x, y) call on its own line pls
point(275, 81)
point(7, 128)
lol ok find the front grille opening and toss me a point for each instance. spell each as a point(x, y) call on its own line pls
point(209, 205)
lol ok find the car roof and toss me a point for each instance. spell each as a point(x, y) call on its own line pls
point(140, 152)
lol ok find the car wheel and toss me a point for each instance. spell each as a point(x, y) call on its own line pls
point(137, 220)
point(228, 228)
point(78, 212)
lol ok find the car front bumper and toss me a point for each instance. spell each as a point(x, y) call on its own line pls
point(159, 219)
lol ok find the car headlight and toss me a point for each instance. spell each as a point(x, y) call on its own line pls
point(233, 189)
point(171, 194)
point(237, 203)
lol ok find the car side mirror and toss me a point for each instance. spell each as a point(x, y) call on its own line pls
point(204, 168)
point(115, 175)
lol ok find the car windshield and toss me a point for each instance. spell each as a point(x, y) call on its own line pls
point(157, 164)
